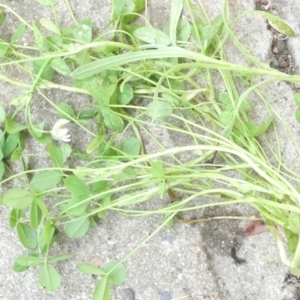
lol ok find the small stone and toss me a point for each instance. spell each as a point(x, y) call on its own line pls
point(164, 295)
point(275, 50)
point(127, 294)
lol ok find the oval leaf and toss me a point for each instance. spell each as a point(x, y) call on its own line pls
point(60, 66)
point(49, 25)
point(116, 272)
point(17, 198)
point(112, 120)
point(65, 111)
point(226, 117)
point(29, 260)
point(35, 215)
point(49, 278)
point(126, 94)
point(131, 146)
point(12, 126)
point(152, 35)
point(297, 99)
point(45, 180)
point(276, 22)
point(27, 236)
point(159, 109)
point(76, 186)
point(90, 269)
point(102, 290)
point(95, 143)
point(77, 228)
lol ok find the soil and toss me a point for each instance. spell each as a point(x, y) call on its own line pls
point(282, 59)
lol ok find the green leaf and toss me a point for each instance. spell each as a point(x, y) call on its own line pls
point(87, 114)
point(246, 105)
point(60, 258)
point(17, 198)
point(76, 186)
point(261, 129)
point(11, 143)
point(226, 117)
point(90, 269)
point(54, 41)
point(16, 155)
point(49, 25)
point(176, 9)
point(157, 169)
point(2, 171)
point(49, 278)
point(56, 155)
point(76, 205)
point(111, 120)
point(18, 33)
point(106, 63)
point(116, 272)
point(170, 99)
point(102, 94)
point(12, 126)
point(294, 222)
point(122, 7)
point(39, 39)
point(45, 180)
point(152, 35)
point(292, 240)
point(47, 71)
point(35, 215)
point(2, 114)
point(15, 216)
point(49, 231)
point(40, 203)
point(210, 31)
point(102, 290)
point(95, 143)
point(183, 30)
point(66, 151)
point(297, 99)
point(2, 16)
point(99, 187)
point(298, 115)
point(47, 2)
point(83, 57)
point(77, 228)
point(126, 174)
point(27, 236)
point(37, 129)
point(29, 260)
point(83, 32)
point(60, 66)
point(65, 111)
point(131, 146)
point(4, 46)
point(17, 268)
point(276, 22)
point(225, 98)
point(139, 7)
point(159, 109)
point(126, 94)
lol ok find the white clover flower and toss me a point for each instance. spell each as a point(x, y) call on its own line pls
point(59, 133)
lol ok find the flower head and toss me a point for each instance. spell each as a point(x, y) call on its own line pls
point(59, 133)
